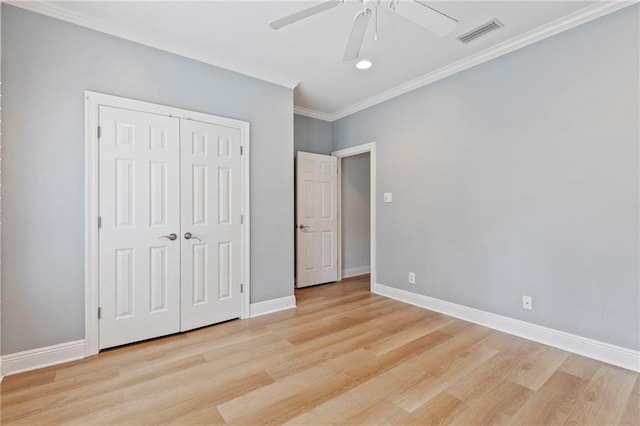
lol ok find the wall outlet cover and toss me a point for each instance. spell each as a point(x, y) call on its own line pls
point(527, 303)
point(388, 197)
point(412, 277)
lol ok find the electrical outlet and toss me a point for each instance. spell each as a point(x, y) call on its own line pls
point(527, 303)
point(412, 277)
point(388, 197)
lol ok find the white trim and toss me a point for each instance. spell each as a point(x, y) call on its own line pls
point(339, 231)
point(601, 351)
point(307, 112)
point(245, 232)
point(42, 357)
point(91, 238)
point(203, 55)
point(354, 272)
point(348, 152)
point(273, 305)
point(93, 101)
point(565, 23)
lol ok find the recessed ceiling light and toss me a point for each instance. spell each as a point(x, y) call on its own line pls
point(364, 64)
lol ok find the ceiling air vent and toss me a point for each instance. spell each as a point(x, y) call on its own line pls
point(480, 31)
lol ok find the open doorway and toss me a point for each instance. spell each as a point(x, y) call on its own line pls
point(354, 181)
point(357, 211)
point(329, 244)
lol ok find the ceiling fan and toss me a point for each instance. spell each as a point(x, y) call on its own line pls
point(416, 11)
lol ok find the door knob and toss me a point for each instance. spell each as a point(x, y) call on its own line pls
point(171, 236)
point(189, 236)
point(303, 227)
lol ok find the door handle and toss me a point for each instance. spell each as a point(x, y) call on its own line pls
point(189, 236)
point(171, 236)
point(303, 227)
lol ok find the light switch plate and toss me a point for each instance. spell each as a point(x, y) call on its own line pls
point(387, 197)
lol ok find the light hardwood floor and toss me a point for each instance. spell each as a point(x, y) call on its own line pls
point(344, 356)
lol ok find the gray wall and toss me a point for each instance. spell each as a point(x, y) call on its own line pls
point(46, 66)
point(0, 193)
point(519, 177)
point(356, 198)
point(311, 135)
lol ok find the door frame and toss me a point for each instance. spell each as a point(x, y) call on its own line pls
point(92, 103)
point(349, 152)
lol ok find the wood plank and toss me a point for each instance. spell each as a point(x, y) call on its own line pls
point(286, 387)
point(294, 365)
point(324, 329)
point(441, 410)
point(95, 389)
point(605, 397)
point(384, 413)
point(27, 380)
point(482, 381)
point(395, 340)
point(459, 344)
point(206, 415)
point(369, 369)
point(631, 415)
point(451, 368)
point(68, 412)
point(168, 402)
point(361, 397)
point(535, 367)
point(496, 407)
point(580, 366)
point(553, 402)
point(58, 386)
point(299, 402)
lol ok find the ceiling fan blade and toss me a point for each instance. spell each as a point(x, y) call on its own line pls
point(425, 16)
point(358, 30)
point(295, 17)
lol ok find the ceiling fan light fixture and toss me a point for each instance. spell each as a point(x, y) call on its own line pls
point(364, 64)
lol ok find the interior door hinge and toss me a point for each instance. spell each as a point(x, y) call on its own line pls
point(241, 150)
point(99, 132)
point(241, 219)
point(99, 313)
point(99, 222)
point(241, 288)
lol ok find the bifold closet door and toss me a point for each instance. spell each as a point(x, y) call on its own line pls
point(140, 223)
point(210, 228)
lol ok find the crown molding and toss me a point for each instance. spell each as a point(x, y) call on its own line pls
point(565, 23)
point(54, 11)
point(307, 112)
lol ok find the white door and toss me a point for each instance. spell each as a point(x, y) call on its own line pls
point(211, 223)
point(317, 219)
point(140, 213)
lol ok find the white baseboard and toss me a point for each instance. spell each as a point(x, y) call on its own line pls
point(42, 357)
point(354, 272)
point(601, 351)
point(271, 306)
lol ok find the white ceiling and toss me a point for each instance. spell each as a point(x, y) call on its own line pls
point(236, 35)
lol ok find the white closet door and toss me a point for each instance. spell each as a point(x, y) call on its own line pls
point(139, 210)
point(317, 219)
point(210, 230)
